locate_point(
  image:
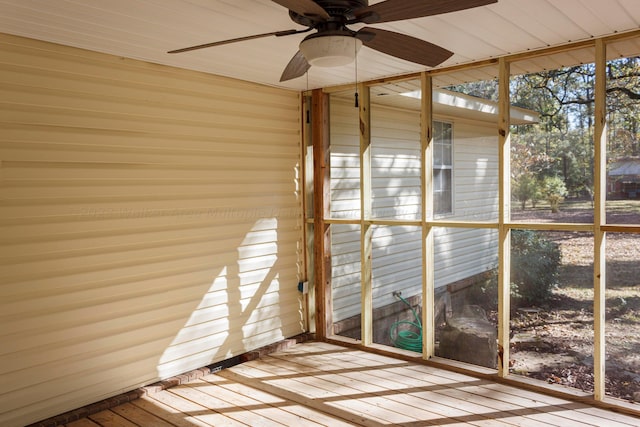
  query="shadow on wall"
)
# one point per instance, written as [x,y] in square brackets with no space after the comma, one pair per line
[242,309]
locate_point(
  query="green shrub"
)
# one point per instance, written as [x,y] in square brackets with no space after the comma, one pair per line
[534,267]
[524,189]
[534,272]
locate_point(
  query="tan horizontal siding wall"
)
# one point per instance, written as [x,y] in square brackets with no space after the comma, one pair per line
[150,224]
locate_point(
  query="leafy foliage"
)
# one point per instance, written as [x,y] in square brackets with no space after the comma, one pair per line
[535,263]
[525,188]
[555,191]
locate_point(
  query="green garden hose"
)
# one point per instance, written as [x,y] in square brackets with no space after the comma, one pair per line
[408,338]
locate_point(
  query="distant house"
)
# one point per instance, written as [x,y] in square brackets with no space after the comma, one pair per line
[623,178]
[465,188]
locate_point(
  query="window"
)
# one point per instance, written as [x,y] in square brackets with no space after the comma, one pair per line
[442,168]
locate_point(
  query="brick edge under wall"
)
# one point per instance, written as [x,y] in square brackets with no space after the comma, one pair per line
[111,402]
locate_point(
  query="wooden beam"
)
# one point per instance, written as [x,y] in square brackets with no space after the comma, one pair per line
[551,226]
[307,274]
[504,214]
[321,210]
[428,243]
[375,82]
[599,217]
[365,213]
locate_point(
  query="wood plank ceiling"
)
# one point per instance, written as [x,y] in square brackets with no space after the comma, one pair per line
[147,29]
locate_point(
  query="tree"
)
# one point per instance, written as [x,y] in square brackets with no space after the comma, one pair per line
[555,191]
[524,189]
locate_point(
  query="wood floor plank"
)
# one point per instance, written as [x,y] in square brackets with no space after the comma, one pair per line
[462,395]
[141,417]
[242,399]
[319,362]
[471,400]
[170,414]
[301,393]
[410,378]
[530,407]
[345,396]
[199,413]
[610,416]
[285,404]
[109,418]
[394,396]
[550,404]
[253,418]
[82,422]
[375,390]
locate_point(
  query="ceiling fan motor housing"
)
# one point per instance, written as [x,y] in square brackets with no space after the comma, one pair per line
[330,49]
[334,44]
[342,9]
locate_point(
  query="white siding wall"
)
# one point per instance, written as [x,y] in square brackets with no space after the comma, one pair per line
[395,163]
[149,224]
[345,159]
[345,203]
[460,253]
[395,174]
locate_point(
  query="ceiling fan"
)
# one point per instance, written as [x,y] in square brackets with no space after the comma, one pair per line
[335,44]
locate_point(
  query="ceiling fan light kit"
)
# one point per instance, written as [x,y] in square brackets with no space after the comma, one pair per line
[330,51]
[334,44]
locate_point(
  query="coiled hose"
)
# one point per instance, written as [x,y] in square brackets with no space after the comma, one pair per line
[408,338]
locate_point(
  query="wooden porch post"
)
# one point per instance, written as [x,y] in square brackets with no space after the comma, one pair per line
[366,229]
[600,196]
[504,214]
[321,205]
[428,241]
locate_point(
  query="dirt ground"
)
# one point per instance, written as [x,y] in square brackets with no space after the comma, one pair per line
[554,342]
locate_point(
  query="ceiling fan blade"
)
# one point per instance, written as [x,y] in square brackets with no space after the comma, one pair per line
[295,68]
[403,46]
[307,8]
[396,10]
[239,39]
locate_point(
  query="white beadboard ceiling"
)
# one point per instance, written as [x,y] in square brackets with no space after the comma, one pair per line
[147,29]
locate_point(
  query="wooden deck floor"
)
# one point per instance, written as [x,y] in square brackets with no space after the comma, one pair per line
[319,384]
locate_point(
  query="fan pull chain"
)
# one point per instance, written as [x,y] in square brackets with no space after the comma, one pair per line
[356,61]
[308,111]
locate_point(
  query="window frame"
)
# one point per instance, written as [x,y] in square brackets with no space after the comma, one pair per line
[438,144]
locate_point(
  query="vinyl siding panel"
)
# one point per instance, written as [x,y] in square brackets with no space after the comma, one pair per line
[395,163]
[345,159]
[462,253]
[150,224]
[396,263]
[345,270]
